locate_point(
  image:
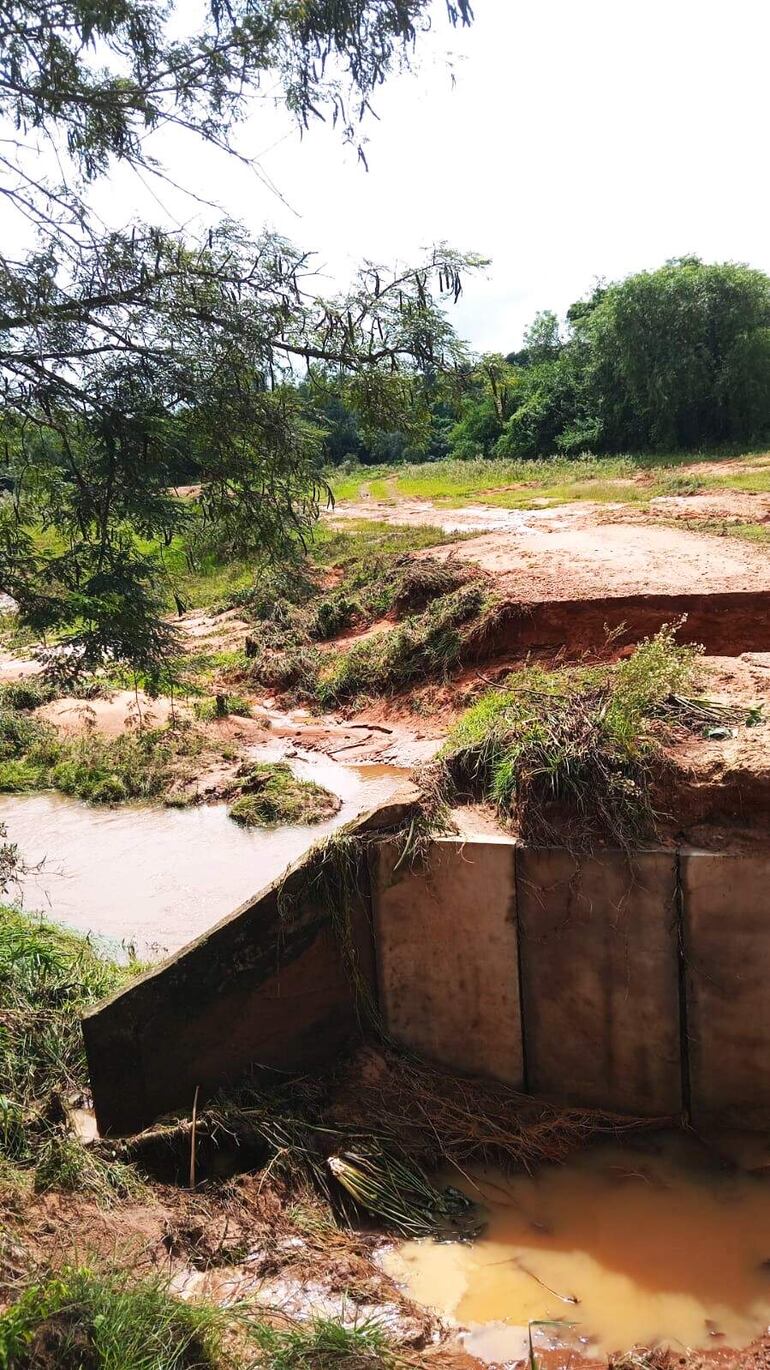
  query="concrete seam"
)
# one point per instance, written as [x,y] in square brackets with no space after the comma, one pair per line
[520,970]
[681,962]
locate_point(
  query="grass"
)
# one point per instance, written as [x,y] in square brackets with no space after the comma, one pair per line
[436,600]
[48,978]
[270,794]
[726,528]
[141,765]
[426,646]
[569,754]
[325,1344]
[556,479]
[81,1319]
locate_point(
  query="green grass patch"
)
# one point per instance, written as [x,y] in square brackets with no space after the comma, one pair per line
[727,528]
[81,1319]
[326,1344]
[282,645]
[568,755]
[426,646]
[142,765]
[271,794]
[559,480]
[48,979]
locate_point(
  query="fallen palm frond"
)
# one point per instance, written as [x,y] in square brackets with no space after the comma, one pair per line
[396,1190]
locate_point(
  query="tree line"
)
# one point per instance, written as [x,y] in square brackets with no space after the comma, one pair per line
[665,360]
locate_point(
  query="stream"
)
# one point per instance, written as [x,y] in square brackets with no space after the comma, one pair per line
[151,879]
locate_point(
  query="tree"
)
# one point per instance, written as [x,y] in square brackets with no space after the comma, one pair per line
[678,357]
[122,351]
[542,341]
[489,397]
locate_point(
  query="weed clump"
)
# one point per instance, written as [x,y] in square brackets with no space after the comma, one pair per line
[25,694]
[427,646]
[570,754]
[270,794]
[325,1344]
[48,978]
[140,764]
[81,1319]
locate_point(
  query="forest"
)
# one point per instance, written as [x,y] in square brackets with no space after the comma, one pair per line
[674,359]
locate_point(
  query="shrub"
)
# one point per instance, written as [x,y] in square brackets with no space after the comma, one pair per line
[25,694]
[420,648]
[567,754]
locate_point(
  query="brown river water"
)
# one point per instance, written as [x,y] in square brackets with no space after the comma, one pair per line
[619,1246]
[152,878]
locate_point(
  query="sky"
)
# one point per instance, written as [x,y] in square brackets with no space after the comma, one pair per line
[576,142]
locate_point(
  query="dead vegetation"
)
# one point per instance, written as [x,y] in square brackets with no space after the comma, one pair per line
[435,604]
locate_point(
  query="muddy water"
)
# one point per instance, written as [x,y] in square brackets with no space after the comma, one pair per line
[615,1248]
[155,878]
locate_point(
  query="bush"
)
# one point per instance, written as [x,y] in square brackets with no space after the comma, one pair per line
[25,694]
[567,754]
[420,648]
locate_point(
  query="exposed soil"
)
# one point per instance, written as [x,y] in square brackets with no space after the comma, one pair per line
[612,559]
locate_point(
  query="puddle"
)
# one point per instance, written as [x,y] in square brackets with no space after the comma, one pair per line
[155,878]
[655,1247]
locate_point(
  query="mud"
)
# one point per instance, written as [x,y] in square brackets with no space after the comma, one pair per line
[618,1247]
[609,560]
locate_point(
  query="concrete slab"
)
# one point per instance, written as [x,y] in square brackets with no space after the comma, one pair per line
[727,969]
[446,942]
[599,974]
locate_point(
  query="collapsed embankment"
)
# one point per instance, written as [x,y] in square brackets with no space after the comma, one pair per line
[724,624]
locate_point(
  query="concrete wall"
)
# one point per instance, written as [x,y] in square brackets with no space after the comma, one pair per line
[637,984]
[726,903]
[267,987]
[600,983]
[447,957]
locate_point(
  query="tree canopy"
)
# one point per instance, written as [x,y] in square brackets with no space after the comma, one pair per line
[126,355]
[677,358]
